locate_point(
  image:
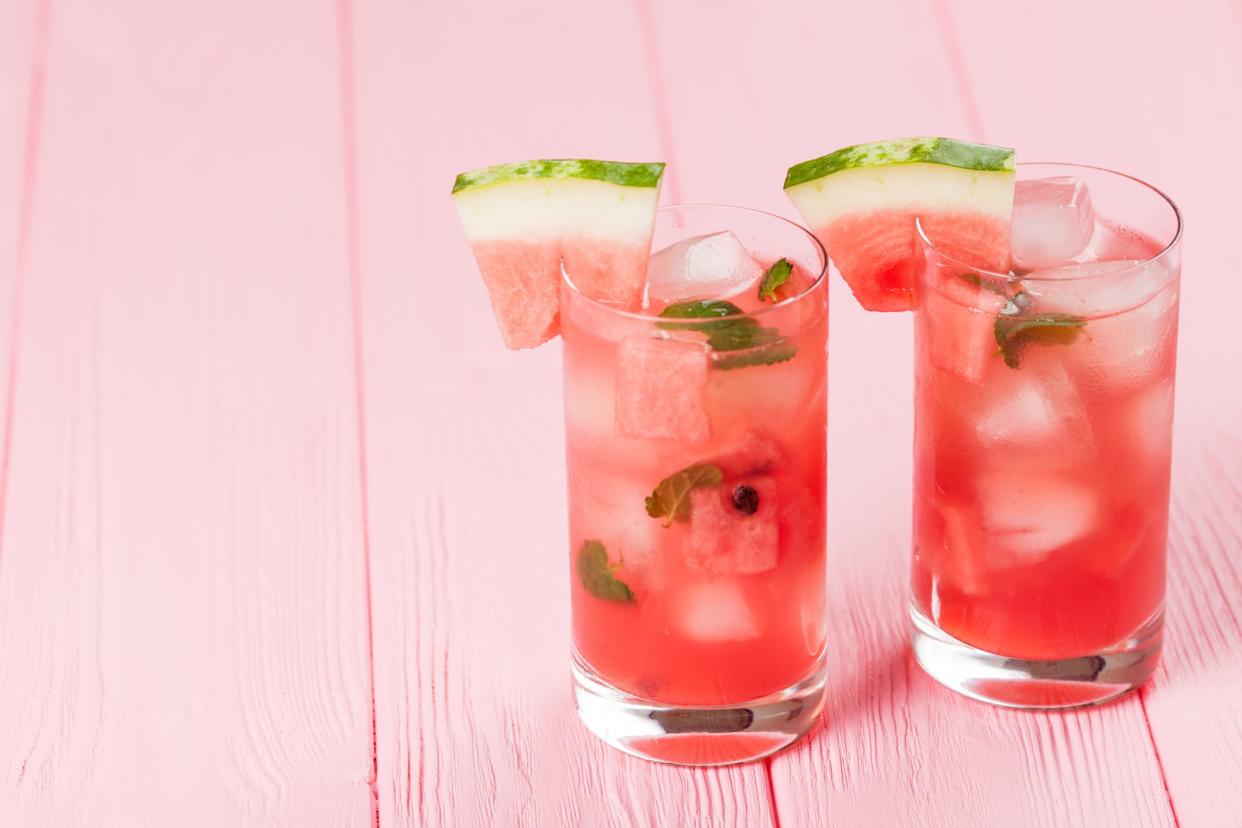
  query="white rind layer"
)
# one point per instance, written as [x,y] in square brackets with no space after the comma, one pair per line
[917,186]
[536,210]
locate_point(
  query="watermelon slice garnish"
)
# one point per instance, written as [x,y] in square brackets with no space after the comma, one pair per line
[523,219]
[861,202]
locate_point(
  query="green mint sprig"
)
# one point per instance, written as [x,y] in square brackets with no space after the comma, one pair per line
[777,275]
[761,356]
[1014,328]
[671,497]
[596,574]
[727,329]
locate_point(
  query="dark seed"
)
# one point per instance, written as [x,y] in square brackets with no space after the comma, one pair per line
[746,499]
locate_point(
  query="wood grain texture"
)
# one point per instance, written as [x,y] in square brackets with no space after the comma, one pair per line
[182,604]
[254,359]
[22,73]
[466,486]
[1157,119]
[897,749]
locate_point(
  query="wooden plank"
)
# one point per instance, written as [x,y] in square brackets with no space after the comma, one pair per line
[182,601]
[24,24]
[1137,87]
[751,91]
[20,60]
[466,468]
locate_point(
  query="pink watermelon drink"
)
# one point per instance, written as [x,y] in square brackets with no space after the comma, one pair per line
[695,401]
[1042,452]
[1043,411]
[696,454]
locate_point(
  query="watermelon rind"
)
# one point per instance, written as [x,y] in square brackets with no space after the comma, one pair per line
[947,151]
[621,173]
[862,201]
[525,220]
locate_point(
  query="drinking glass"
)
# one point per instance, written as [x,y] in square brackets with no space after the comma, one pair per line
[696,465]
[1043,438]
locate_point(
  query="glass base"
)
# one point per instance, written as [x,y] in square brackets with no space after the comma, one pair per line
[1035,684]
[699,736]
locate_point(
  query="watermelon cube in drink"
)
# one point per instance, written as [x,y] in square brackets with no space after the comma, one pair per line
[1045,330]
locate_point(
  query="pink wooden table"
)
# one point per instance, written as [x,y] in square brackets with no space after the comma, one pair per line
[282,525]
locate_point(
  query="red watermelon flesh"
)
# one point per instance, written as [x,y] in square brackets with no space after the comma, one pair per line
[523,281]
[724,541]
[660,385]
[523,219]
[862,203]
[526,303]
[878,253]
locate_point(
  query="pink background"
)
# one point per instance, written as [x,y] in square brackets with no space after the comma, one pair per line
[282,523]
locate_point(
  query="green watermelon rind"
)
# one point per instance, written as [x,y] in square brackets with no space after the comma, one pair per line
[946,151]
[613,172]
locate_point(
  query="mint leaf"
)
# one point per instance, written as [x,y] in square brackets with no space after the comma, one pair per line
[770,355]
[736,333]
[696,309]
[1014,332]
[777,275]
[596,575]
[741,335]
[671,498]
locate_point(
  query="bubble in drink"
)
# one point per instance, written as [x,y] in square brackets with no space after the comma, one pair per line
[714,266]
[1052,221]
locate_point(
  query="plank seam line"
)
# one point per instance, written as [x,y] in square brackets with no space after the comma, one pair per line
[957,67]
[25,213]
[1155,749]
[345,57]
[659,99]
[767,775]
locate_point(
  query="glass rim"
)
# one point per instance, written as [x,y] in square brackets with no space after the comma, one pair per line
[1138,265]
[568,281]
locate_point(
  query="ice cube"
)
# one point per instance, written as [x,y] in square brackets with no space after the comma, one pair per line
[715,611]
[786,392]
[1145,420]
[590,401]
[1131,313]
[1095,288]
[660,389]
[1034,406]
[613,509]
[726,541]
[749,451]
[1117,241]
[951,538]
[1052,221]
[1030,514]
[1134,348]
[715,266]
